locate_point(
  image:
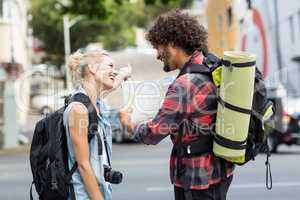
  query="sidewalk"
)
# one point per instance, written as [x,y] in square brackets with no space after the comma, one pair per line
[17,150]
[27,131]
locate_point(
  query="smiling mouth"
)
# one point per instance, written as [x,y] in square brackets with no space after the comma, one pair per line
[112,78]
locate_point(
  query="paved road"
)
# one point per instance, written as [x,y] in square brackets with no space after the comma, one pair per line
[146,175]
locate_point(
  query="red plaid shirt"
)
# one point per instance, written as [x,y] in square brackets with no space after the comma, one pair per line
[192,97]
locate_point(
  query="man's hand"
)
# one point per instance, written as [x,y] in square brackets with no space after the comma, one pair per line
[125,119]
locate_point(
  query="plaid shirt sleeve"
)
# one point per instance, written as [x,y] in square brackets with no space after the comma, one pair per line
[177,104]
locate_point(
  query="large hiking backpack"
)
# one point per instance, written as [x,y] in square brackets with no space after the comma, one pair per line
[49,153]
[261,112]
[260,119]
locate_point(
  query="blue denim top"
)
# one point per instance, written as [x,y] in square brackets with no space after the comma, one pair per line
[95,159]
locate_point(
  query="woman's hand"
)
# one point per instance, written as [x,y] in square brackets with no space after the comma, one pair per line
[125,119]
[125,72]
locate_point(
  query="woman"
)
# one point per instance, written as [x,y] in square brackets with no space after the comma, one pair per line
[94,72]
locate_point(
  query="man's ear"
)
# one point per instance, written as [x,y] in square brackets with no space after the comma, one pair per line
[92,69]
[173,49]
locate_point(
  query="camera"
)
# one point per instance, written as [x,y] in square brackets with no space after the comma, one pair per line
[111,176]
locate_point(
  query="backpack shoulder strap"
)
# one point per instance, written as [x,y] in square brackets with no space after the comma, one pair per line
[92,113]
[195,69]
[93,122]
[210,63]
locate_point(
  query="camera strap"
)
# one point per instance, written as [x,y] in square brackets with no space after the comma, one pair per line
[106,148]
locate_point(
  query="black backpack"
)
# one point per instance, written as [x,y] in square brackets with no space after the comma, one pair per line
[49,153]
[259,128]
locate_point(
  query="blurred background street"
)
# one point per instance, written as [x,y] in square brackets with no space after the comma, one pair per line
[36,38]
[146,175]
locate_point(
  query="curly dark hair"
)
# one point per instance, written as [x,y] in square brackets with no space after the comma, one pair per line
[180,29]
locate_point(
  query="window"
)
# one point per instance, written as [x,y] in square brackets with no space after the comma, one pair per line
[299,19]
[229,17]
[219,23]
[1,8]
[292,29]
[2,84]
[8,9]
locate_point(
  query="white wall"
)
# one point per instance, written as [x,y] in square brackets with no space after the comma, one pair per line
[14,43]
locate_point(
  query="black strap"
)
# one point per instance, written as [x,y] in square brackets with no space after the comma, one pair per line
[212,62]
[194,68]
[223,169]
[106,149]
[227,63]
[238,145]
[31,196]
[211,59]
[198,147]
[85,100]
[178,149]
[72,192]
[269,179]
[233,107]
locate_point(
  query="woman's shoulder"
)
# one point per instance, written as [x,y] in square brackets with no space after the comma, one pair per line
[76,106]
[75,109]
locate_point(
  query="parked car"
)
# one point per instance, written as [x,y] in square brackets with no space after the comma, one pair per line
[119,134]
[46,70]
[287,123]
[49,103]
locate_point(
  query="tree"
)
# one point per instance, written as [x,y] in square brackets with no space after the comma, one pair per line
[111,22]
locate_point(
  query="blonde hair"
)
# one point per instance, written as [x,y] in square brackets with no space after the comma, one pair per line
[78,61]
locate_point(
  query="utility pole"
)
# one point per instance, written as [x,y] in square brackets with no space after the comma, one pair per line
[10,107]
[67,43]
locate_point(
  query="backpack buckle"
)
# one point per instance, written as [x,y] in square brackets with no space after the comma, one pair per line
[228,64]
[188,149]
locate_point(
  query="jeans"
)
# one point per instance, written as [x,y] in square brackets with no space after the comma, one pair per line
[214,192]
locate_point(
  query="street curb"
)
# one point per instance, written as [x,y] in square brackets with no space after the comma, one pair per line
[15,151]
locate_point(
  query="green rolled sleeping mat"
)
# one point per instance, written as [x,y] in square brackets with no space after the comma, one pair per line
[234,106]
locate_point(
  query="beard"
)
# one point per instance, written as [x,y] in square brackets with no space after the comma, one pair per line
[167,56]
[166,68]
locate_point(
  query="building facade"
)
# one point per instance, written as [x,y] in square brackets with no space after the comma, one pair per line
[14,62]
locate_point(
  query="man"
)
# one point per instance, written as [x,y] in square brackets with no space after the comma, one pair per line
[188,112]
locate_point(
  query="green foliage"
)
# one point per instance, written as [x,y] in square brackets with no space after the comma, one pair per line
[48,27]
[111,22]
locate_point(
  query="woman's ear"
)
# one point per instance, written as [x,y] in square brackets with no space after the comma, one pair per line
[92,69]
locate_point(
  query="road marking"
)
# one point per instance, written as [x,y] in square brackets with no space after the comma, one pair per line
[262,185]
[234,186]
[158,189]
[140,162]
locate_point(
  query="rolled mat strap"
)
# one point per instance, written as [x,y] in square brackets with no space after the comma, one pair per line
[233,107]
[227,63]
[238,145]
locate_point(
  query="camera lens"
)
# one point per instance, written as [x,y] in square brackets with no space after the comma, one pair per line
[111,176]
[116,177]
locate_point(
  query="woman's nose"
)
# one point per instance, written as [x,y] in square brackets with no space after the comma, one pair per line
[115,72]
